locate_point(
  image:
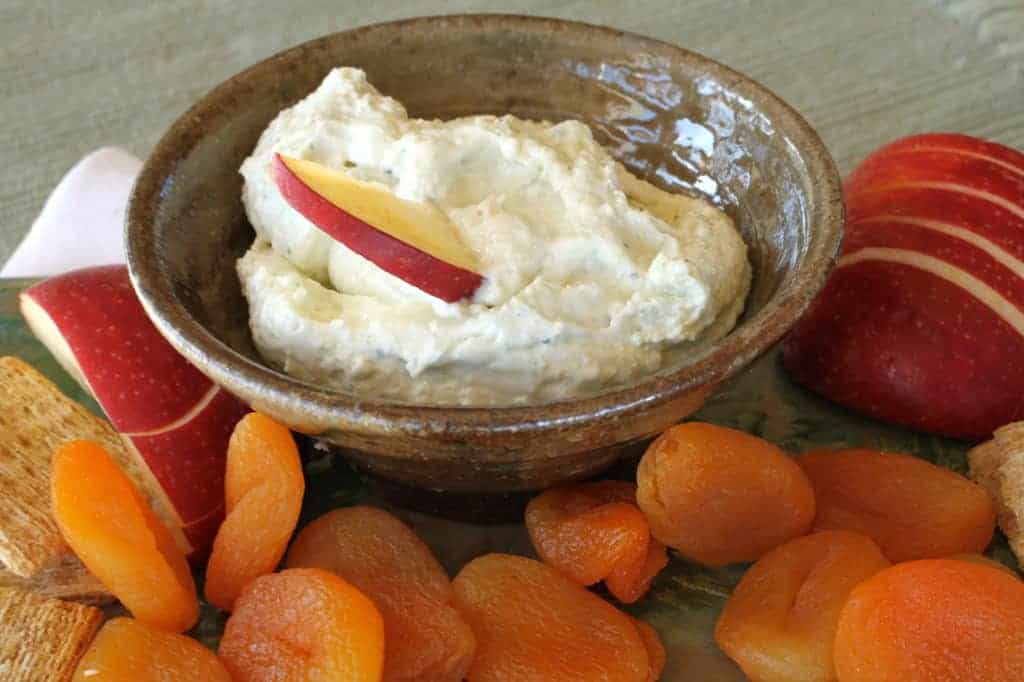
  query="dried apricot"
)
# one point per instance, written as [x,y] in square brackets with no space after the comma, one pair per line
[933,620]
[263,489]
[125,650]
[303,624]
[974,558]
[427,639]
[534,624]
[779,625]
[628,583]
[595,531]
[912,508]
[721,496]
[112,529]
[655,649]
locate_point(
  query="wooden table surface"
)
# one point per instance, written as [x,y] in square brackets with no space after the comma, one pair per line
[78,75]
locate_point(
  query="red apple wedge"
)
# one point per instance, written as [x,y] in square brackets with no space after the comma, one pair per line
[922,321]
[411,240]
[172,418]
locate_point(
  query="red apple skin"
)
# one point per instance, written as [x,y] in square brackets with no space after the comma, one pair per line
[882,352]
[988,220]
[191,478]
[898,342]
[169,414]
[894,233]
[436,277]
[927,163]
[139,379]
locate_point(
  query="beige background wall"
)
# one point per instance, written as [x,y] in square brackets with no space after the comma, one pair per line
[78,74]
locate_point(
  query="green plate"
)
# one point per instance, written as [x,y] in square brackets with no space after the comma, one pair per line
[685,599]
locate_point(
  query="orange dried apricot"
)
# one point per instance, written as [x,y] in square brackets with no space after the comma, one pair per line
[655,649]
[595,531]
[912,508]
[427,639]
[779,625]
[115,533]
[533,623]
[721,496]
[628,583]
[125,650]
[303,624]
[263,489]
[974,558]
[933,620]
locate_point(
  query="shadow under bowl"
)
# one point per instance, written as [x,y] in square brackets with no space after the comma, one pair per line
[680,120]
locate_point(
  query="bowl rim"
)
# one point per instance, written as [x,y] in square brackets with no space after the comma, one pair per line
[346,412]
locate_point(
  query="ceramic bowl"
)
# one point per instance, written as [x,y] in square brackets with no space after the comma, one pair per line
[679,119]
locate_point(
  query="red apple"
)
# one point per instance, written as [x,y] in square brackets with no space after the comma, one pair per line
[412,241]
[922,321]
[173,419]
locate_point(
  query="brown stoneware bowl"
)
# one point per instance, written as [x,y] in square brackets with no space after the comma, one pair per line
[674,117]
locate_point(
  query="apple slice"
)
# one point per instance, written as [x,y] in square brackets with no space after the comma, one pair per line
[173,420]
[411,240]
[922,321]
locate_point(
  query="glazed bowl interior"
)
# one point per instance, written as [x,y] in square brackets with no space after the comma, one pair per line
[675,118]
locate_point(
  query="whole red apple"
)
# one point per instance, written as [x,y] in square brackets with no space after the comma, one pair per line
[922,321]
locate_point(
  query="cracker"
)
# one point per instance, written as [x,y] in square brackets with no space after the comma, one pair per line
[984,461]
[1010,439]
[35,419]
[67,580]
[998,467]
[41,639]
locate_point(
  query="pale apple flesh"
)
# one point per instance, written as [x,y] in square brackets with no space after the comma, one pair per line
[173,419]
[410,240]
[922,322]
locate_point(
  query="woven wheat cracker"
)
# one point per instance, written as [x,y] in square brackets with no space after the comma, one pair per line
[42,639]
[36,418]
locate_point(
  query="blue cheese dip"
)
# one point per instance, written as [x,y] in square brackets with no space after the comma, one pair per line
[591,275]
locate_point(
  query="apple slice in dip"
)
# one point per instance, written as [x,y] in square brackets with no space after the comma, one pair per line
[411,240]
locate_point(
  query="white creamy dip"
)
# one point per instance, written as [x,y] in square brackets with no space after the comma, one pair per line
[591,274]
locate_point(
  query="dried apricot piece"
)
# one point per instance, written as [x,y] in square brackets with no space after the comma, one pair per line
[112,529]
[975,558]
[721,496]
[263,489]
[912,508]
[595,531]
[655,649]
[303,624]
[532,623]
[628,583]
[934,620]
[779,625]
[427,639]
[125,650]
